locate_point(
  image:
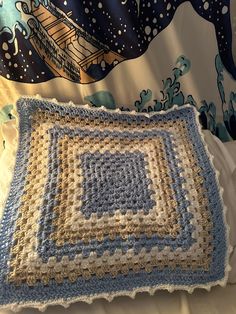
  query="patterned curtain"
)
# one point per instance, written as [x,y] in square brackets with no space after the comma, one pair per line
[143,55]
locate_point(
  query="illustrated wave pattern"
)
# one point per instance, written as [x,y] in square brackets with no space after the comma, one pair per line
[83,41]
[106,203]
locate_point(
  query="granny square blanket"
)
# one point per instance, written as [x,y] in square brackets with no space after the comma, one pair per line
[106,203]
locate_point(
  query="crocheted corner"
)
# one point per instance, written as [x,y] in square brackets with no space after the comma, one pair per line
[107,203]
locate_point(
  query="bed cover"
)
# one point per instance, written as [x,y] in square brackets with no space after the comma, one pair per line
[218,300]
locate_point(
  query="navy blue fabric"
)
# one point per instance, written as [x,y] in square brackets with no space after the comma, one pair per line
[124,27]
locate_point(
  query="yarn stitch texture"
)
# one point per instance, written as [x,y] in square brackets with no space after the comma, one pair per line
[109,203]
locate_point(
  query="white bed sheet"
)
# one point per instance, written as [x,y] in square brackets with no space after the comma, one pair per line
[225,163]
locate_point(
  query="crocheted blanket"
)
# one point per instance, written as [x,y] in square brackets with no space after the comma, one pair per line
[106,203]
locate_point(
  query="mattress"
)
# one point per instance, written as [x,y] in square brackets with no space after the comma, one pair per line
[218,300]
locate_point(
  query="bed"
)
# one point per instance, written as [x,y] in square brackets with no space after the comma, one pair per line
[164,67]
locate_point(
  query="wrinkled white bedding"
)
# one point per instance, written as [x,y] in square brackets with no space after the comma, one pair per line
[225,163]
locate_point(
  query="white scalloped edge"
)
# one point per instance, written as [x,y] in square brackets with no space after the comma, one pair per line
[103,108]
[16,307]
